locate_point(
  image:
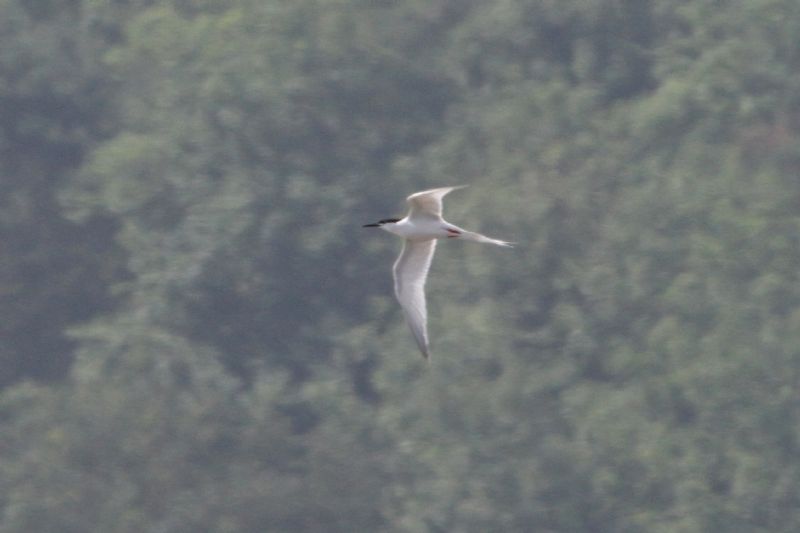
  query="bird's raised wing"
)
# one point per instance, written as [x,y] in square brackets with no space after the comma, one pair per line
[429,203]
[410,272]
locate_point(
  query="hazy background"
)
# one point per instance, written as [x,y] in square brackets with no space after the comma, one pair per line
[196,334]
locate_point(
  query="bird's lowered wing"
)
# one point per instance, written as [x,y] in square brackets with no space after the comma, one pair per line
[410,272]
[429,203]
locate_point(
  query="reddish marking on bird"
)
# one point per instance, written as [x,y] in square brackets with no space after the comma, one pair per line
[453,231]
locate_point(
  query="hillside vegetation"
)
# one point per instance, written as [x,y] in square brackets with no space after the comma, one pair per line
[197,335]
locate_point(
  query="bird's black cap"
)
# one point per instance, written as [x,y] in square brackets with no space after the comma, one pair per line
[381,222]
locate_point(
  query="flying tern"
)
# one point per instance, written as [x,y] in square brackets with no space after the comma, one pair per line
[420,229]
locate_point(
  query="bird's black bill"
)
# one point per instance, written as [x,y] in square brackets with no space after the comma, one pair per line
[371,226]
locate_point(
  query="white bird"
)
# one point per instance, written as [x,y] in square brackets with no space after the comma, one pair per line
[420,229]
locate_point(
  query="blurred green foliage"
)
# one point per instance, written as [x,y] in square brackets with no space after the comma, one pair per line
[196,335]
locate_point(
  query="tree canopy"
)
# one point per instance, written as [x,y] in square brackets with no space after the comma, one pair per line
[196,336]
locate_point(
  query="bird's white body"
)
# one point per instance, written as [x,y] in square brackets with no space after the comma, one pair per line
[420,230]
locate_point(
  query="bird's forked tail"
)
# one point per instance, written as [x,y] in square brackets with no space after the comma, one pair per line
[477,237]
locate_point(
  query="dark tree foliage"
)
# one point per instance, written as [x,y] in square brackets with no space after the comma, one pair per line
[54,272]
[184,184]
